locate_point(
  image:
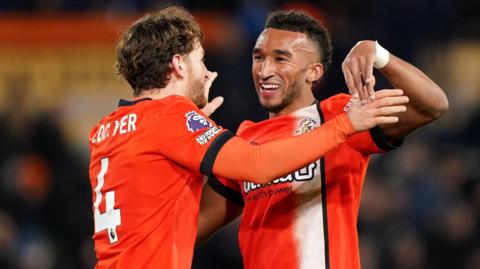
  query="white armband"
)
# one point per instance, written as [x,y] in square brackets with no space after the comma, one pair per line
[381,56]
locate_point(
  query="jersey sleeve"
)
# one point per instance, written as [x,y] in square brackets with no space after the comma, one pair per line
[189,137]
[229,189]
[372,141]
[366,142]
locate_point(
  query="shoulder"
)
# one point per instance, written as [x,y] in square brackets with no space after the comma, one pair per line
[244,125]
[170,106]
[171,103]
[335,105]
[102,122]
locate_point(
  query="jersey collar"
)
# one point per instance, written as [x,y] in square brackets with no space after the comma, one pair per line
[124,102]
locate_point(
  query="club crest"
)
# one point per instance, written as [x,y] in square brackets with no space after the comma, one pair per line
[305,125]
[196,121]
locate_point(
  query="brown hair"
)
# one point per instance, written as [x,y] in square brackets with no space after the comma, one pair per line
[146,49]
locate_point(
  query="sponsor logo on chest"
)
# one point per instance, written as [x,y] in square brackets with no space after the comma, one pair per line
[305,174]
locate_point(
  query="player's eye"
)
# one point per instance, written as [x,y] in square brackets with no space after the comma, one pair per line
[280,59]
[257,57]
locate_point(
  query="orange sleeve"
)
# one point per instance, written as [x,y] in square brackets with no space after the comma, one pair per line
[239,160]
[366,142]
[184,134]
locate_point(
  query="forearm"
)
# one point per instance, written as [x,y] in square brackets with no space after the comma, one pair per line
[427,100]
[216,211]
[239,160]
[425,95]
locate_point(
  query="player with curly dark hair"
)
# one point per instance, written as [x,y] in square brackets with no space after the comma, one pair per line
[307,219]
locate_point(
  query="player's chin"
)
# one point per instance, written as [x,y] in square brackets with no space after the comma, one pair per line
[269,104]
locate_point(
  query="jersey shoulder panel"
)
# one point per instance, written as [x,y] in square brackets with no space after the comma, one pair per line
[335,105]
[169,105]
[244,125]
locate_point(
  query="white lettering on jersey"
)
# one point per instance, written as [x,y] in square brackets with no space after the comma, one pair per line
[303,174]
[125,125]
[207,135]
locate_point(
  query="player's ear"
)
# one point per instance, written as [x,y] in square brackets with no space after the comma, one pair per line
[315,72]
[178,65]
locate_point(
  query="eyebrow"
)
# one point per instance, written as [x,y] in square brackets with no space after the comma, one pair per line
[277,52]
[283,53]
[256,50]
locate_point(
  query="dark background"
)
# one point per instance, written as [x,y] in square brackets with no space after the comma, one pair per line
[420,204]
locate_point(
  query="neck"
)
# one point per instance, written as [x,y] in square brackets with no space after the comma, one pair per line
[299,102]
[173,88]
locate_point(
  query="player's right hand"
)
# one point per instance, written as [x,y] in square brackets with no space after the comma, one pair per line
[379,111]
[358,70]
[211,106]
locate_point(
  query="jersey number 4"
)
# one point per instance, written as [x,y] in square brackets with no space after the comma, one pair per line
[111,218]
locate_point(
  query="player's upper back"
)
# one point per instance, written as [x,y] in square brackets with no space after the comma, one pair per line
[143,201]
[122,123]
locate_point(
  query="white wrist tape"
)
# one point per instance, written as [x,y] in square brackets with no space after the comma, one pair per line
[381,56]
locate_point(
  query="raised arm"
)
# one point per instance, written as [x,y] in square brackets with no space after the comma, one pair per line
[427,99]
[239,160]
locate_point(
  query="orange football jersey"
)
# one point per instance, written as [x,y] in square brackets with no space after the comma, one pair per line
[306,219]
[147,160]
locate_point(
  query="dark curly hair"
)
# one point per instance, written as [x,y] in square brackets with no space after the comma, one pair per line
[147,47]
[299,21]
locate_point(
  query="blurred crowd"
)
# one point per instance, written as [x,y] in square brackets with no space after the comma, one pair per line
[420,203]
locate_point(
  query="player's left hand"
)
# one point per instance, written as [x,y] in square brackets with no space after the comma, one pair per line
[211,106]
[358,70]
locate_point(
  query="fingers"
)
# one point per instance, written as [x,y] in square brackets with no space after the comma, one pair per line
[389,110]
[388,93]
[389,101]
[213,105]
[357,76]
[358,70]
[216,102]
[369,79]
[349,81]
[353,71]
[385,120]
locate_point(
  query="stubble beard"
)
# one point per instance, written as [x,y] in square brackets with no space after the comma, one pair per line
[196,93]
[286,101]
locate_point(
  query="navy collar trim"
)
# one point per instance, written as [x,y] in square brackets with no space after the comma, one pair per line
[124,102]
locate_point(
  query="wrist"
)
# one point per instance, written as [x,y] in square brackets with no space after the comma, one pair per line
[382,56]
[345,124]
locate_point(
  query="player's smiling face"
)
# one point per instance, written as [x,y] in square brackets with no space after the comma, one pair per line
[281,62]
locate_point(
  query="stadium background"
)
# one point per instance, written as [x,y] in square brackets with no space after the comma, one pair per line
[420,205]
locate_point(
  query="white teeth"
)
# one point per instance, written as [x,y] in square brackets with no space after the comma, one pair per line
[270,86]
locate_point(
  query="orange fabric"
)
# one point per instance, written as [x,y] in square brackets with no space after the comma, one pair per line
[239,160]
[345,170]
[296,220]
[154,173]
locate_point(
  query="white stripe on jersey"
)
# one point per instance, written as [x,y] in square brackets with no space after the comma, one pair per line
[309,226]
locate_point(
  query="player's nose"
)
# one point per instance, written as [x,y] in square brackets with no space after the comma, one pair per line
[266,69]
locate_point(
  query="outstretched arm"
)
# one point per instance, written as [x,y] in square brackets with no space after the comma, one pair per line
[239,160]
[427,99]
[216,211]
